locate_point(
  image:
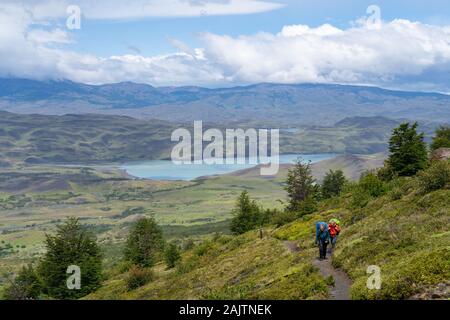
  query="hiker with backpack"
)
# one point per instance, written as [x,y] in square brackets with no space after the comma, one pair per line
[334,230]
[322,239]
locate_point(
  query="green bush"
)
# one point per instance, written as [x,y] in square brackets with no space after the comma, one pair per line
[171,255]
[436,177]
[280,218]
[372,185]
[332,184]
[407,150]
[144,243]
[26,286]
[442,138]
[138,277]
[247,215]
[71,245]
[203,248]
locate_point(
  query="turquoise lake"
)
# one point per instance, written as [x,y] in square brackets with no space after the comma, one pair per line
[167,170]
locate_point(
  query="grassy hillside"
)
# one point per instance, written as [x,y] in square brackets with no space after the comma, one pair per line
[243,267]
[407,238]
[34,199]
[404,233]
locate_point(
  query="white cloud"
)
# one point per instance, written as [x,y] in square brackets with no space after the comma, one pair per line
[135,9]
[399,54]
[362,54]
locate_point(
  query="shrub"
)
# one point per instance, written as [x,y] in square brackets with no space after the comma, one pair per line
[386,173]
[442,138]
[247,215]
[71,245]
[333,183]
[280,218]
[26,286]
[436,177]
[360,198]
[172,255]
[138,277]
[408,152]
[203,248]
[301,186]
[372,185]
[144,243]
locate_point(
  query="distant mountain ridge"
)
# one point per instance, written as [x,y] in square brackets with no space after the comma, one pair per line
[281,104]
[100,138]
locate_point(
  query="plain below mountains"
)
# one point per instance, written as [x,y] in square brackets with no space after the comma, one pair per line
[269,104]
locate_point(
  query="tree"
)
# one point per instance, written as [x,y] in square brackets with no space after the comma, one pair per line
[408,153]
[26,286]
[145,242]
[441,138]
[247,215]
[172,255]
[301,188]
[72,245]
[333,183]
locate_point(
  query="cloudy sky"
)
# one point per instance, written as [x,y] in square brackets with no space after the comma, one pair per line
[401,44]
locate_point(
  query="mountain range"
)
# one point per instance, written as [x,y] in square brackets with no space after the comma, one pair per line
[269,104]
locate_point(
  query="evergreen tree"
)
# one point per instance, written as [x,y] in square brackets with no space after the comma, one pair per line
[71,245]
[145,242]
[332,184]
[441,138]
[408,153]
[247,215]
[26,286]
[172,255]
[301,188]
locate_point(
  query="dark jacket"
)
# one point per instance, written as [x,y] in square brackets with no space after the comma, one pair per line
[322,235]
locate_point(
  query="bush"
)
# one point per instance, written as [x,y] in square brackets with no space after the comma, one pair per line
[372,185]
[442,138]
[301,187]
[333,183]
[144,243]
[203,248]
[72,245]
[436,177]
[408,152]
[26,286]
[280,218]
[386,173]
[247,215]
[138,277]
[172,255]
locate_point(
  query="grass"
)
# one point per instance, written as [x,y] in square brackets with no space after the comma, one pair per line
[243,267]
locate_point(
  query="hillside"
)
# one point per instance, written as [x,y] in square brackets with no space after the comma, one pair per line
[269,104]
[351,165]
[404,233]
[94,138]
[82,138]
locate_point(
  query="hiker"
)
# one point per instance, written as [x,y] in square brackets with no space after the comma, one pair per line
[334,229]
[322,238]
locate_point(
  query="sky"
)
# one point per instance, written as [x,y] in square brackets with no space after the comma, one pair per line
[396,44]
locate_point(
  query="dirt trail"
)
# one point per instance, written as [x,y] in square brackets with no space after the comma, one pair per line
[342,283]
